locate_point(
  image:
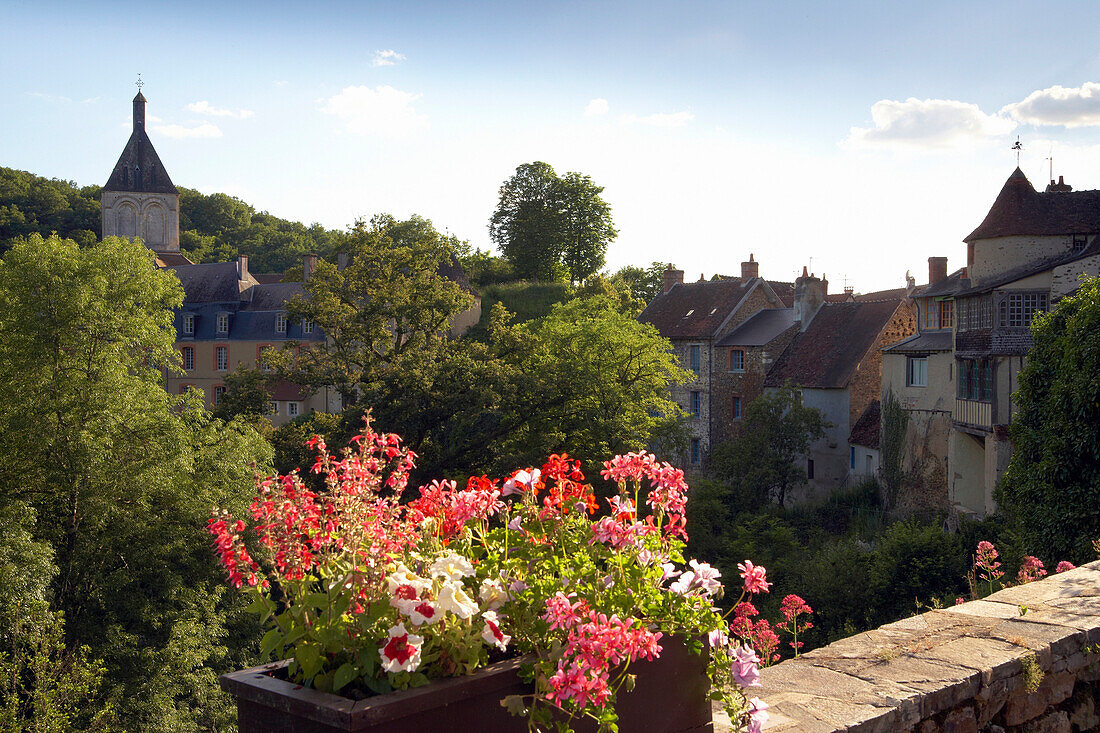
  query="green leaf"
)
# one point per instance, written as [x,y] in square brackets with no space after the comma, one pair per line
[272,639]
[309,657]
[345,674]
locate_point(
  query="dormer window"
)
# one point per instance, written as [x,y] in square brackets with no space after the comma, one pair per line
[689,313]
[1080,241]
[307,326]
[280,323]
[223,324]
[189,324]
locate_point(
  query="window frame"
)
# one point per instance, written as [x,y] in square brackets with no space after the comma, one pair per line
[280,323]
[307,326]
[293,408]
[695,357]
[221,324]
[733,363]
[219,393]
[910,377]
[260,348]
[696,451]
[187,356]
[695,402]
[219,351]
[735,407]
[188,324]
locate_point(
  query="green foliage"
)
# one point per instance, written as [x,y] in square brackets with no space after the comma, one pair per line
[643,283]
[484,268]
[777,430]
[895,420]
[31,204]
[120,475]
[550,227]
[522,299]
[1051,483]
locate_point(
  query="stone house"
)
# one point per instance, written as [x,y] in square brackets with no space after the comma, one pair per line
[695,317]
[956,378]
[835,360]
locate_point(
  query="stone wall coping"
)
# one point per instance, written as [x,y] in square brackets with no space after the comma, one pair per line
[894,677]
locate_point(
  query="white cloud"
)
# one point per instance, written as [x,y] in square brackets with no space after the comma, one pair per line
[382,111]
[660,119]
[1058,105]
[928,123]
[204,108]
[598,106]
[49,97]
[389,57]
[204,129]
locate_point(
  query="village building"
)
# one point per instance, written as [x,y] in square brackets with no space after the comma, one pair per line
[956,377]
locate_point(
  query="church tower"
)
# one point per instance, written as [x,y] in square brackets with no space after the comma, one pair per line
[139,199]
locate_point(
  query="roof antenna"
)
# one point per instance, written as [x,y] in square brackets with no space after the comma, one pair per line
[1017,147]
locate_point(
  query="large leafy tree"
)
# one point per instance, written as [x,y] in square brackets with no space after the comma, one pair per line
[761,464]
[550,227]
[120,475]
[1052,485]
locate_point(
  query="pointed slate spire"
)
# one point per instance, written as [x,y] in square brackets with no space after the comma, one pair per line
[139,168]
[1018,209]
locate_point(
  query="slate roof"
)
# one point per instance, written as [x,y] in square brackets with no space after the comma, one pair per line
[268,278]
[923,343]
[212,282]
[826,354]
[696,310]
[1020,209]
[865,431]
[761,328]
[274,296]
[947,286]
[139,167]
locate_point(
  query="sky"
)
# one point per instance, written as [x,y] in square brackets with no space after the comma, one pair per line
[854,138]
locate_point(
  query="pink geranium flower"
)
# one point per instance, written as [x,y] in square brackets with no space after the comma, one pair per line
[754,577]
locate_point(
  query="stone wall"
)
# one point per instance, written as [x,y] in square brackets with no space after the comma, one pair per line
[1023,659]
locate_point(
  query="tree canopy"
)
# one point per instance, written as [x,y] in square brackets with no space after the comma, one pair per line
[1052,484]
[552,227]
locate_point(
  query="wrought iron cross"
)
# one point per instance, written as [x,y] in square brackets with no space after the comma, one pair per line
[139,83]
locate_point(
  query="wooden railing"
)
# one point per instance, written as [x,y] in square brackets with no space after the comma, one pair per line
[973,412]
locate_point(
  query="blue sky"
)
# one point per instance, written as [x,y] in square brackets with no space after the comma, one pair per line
[856,138]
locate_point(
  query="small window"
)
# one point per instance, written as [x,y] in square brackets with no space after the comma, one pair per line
[931,314]
[737,360]
[852,457]
[735,407]
[221,358]
[307,326]
[809,468]
[696,403]
[916,371]
[695,451]
[261,361]
[947,314]
[694,356]
[223,323]
[689,313]
[219,393]
[280,323]
[188,358]
[189,324]
[1080,241]
[292,409]
[274,407]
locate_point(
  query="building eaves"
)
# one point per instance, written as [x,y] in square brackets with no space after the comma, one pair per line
[761,328]
[923,343]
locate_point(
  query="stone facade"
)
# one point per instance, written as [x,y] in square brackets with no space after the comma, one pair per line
[152,217]
[983,665]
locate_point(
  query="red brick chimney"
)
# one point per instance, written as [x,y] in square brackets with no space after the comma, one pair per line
[750,268]
[309,264]
[673,277]
[937,269]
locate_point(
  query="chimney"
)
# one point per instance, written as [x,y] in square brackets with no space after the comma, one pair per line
[808,299]
[1060,187]
[139,111]
[824,284]
[937,269]
[342,260]
[673,277]
[242,267]
[750,268]
[309,264]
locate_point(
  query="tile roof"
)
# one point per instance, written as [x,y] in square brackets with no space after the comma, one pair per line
[826,354]
[1020,209]
[947,286]
[760,328]
[785,291]
[865,431]
[696,310]
[170,259]
[924,342]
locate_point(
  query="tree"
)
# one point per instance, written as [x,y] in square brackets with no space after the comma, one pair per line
[391,301]
[1052,485]
[644,283]
[550,227]
[120,475]
[777,430]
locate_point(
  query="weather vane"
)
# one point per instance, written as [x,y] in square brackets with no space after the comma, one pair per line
[139,83]
[1018,147]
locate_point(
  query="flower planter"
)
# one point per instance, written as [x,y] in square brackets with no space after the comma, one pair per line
[671,695]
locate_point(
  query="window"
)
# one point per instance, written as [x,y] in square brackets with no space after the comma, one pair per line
[221,358]
[694,354]
[696,403]
[947,314]
[292,409]
[809,468]
[852,457]
[223,323]
[1017,309]
[976,380]
[916,371]
[735,407]
[280,323]
[307,326]
[274,407]
[219,393]
[931,314]
[1080,241]
[737,360]
[188,358]
[260,360]
[189,324]
[695,451]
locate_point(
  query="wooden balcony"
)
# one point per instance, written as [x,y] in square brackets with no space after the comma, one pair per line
[974,413]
